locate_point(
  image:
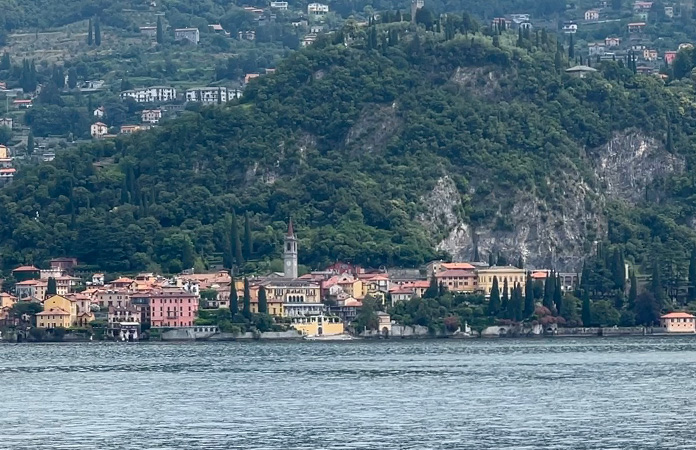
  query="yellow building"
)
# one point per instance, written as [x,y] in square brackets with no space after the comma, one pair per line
[58,302]
[275,307]
[53,318]
[511,274]
[319,325]
[351,286]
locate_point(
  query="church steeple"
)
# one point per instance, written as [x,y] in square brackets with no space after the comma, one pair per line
[290,253]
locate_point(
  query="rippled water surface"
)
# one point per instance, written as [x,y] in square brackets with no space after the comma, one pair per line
[620,393]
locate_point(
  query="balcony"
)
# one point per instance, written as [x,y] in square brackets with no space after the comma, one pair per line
[172,315]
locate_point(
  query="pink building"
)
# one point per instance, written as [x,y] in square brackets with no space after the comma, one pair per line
[172,307]
[669,57]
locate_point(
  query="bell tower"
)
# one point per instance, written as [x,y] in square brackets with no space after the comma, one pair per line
[290,253]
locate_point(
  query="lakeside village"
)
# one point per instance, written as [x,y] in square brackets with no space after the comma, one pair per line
[341,302]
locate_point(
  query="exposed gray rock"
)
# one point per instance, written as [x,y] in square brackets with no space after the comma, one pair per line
[629,162]
[373,129]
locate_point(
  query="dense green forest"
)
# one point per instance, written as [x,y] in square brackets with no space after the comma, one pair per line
[304,143]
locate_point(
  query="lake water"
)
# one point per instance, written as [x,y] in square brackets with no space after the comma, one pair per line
[588,393]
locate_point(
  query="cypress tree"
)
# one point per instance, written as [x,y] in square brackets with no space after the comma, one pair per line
[248,240]
[692,276]
[160,32]
[656,284]
[97,32]
[494,301]
[520,263]
[548,291]
[529,296]
[51,289]
[586,309]
[263,303]
[90,39]
[633,292]
[5,62]
[558,294]
[433,289]
[247,299]
[571,48]
[519,303]
[505,302]
[234,299]
[72,78]
[236,240]
[491,260]
[30,143]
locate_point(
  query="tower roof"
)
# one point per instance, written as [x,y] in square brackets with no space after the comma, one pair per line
[291,231]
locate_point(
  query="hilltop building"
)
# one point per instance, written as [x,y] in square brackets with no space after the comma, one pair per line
[187,34]
[150,94]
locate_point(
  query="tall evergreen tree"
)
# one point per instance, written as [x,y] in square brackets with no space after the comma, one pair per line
[235,240]
[52,288]
[692,276]
[520,263]
[433,288]
[494,300]
[246,299]
[519,304]
[633,292]
[30,143]
[656,284]
[248,240]
[571,48]
[586,309]
[72,78]
[558,294]
[263,302]
[529,296]
[90,38]
[549,286]
[5,62]
[234,299]
[505,298]
[97,32]
[160,31]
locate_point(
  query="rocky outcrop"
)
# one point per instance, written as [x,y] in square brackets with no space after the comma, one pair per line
[373,129]
[630,162]
[479,81]
[442,207]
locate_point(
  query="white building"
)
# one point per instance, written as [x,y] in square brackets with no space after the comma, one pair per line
[210,94]
[151,115]
[98,130]
[282,6]
[317,9]
[99,112]
[591,14]
[6,122]
[570,28]
[190,34]
[150,94]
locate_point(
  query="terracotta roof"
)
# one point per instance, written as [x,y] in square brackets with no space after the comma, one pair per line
[457,265]
[123,280]
[677,315]
[291,231]
[26,269]
[401,290]
[540,275]
[53,312]
[378,278]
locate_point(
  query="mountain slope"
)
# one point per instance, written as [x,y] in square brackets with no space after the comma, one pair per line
[382,157]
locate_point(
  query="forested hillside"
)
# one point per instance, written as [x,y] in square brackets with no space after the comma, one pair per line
[383,152]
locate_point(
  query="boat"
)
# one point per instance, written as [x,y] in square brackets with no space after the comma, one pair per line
[329,337]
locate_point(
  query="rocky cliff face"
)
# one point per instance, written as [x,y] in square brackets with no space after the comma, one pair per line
[554,233]
[630,162]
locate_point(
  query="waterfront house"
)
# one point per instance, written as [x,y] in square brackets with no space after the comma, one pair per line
[111,296]
[53,318]
[462,279]
[401,294]
[318,325]
[118,314]
[172,307]
[384,323]
[678,322]
[299,297]
[511,274]
[63,303]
